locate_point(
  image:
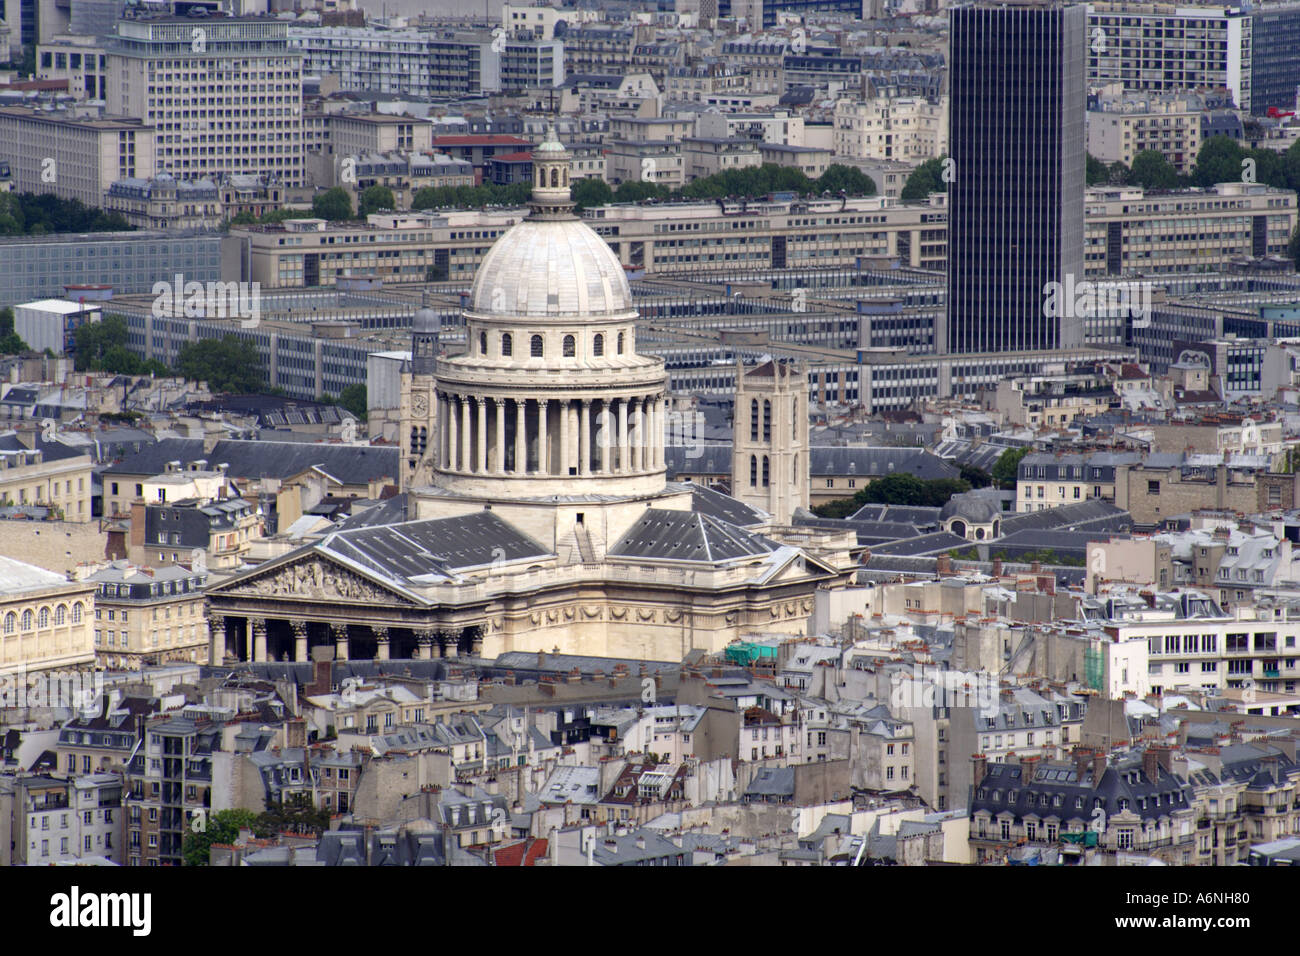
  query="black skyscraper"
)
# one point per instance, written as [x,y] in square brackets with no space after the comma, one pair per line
[1016,138]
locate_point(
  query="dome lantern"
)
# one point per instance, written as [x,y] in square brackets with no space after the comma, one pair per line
[551,168]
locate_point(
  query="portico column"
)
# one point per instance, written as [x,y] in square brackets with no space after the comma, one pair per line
[584,438]
[300,641]
[381,643]
[622,435]
[423,645]
[543,439]
[521,437]
[340,633]
[216,640]
[480,465]
[453,424]
[451,646]
[563,463]
[258,627]
[466,427]
[500,405]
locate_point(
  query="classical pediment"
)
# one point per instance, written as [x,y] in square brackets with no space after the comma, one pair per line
[311,579]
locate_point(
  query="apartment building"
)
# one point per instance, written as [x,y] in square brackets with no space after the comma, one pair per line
[1216,654]
[1122,124]
[163,202]
[220,530]
[145,615]
[354,134]
[226,101]
[405,173]
[73,157]
[905,128]
[62,484]
[168,780]
[1144,809]
[80,60]
[55,820]
[1163,48]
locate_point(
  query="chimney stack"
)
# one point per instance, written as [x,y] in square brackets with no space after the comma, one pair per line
[1151,764]
[1082,756]
[979,768]
[1098,766]
[943,564]
[997,567]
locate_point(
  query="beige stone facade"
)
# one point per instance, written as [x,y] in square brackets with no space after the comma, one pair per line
[540,515]
[45,620]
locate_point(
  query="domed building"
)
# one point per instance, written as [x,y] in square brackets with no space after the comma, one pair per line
[538,511]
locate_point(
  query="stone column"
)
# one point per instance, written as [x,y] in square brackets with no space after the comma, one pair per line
[604,437]
[622,435]
[636,435]
[466,432]
[381,643]
[423,645]
[441,425]
[216,640]
[450,646]
[563,464]
[480,465]
[340,634]
[521,437]
[657,432]
[300,652]
[257,628]
[584,438]
[453,437]
[543,439]
[500,405]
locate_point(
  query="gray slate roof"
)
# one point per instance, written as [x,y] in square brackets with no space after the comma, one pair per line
[688,536]
[350,464]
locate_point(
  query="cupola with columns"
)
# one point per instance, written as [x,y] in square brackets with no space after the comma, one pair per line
[550,396]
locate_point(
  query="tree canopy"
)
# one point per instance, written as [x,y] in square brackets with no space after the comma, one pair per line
[1006,467]
[28,214]
[11,342]
[332,204]
[229,364]
[375,199]
[925,179]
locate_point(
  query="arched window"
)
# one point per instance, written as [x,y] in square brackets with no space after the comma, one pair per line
[767,474]
[598,345]
[11,622]
[507,344]
[753,470]
[555,178]
[61,614]
[620,343]
[28,620]
[569,346]
[76,613]
[767,420]
[753,420]
[43,619]
[794,471]
[535,346]
[794,418]
[482,343]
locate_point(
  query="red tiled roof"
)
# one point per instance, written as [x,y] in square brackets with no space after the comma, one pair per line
[526,157]
[487,140]
[524,853]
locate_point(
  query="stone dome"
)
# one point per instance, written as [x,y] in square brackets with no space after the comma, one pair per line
[551,268]
[971,506]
